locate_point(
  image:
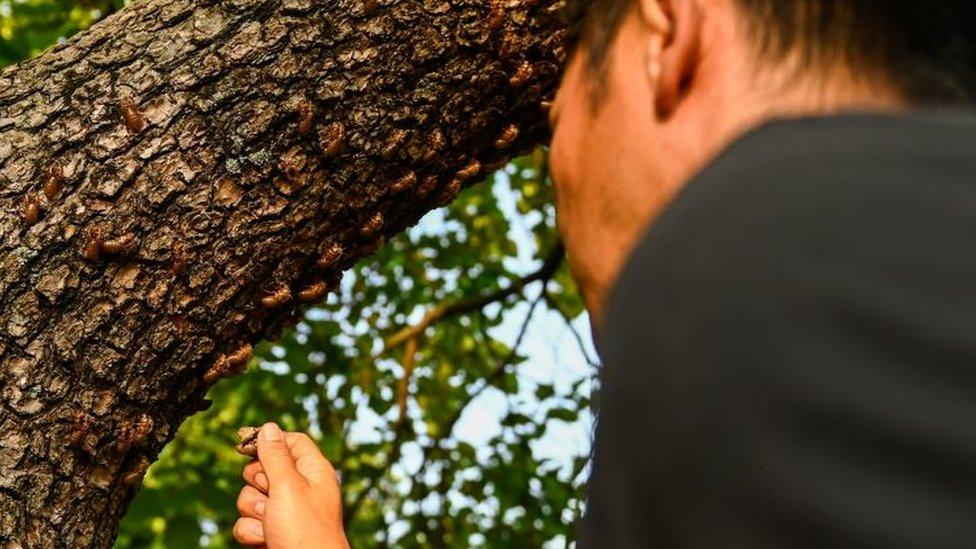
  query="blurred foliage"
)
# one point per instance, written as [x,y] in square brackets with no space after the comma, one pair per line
[387,418]
[28,27]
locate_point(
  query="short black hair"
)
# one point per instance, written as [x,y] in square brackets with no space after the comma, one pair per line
[926,49]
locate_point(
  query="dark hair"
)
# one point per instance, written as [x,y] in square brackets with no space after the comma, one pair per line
[925,48]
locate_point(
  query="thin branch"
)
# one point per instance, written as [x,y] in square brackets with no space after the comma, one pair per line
[403,391]
[496,375]
[353,508]
[489,381]
[401,426]
[412,334]
[594,363]
[476,303]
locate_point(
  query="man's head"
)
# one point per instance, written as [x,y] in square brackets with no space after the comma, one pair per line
[658,87]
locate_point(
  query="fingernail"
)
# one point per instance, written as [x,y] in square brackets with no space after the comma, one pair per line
[259,508]
[258,531]
[262,481]
[271,432]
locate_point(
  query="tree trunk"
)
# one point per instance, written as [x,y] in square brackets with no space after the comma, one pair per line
[177,181]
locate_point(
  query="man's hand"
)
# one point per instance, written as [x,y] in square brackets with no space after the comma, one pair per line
[292,498]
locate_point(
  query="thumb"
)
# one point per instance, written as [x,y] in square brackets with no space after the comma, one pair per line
[276,459]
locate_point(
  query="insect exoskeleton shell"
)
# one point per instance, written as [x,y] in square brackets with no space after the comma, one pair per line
[330,257]
[120,245]
[138,471]
[333,139]
[306,117]
[507,137]
[53,181]
[131,115]
[277,297]
[373,225]
[470,171]
[31,210]
[404,183]
[522,75]
[314,292]
[93,244]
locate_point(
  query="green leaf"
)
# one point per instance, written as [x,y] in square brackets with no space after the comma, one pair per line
[563,414]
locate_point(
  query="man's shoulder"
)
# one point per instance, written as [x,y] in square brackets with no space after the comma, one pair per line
[940,133]
[817,201]
[796,163]
[814,175]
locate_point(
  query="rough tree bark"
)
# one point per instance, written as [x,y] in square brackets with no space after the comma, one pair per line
[178,180]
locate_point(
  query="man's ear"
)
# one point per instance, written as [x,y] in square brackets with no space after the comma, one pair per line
[673,40]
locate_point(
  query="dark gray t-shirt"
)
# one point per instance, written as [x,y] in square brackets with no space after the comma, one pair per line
[791,351]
